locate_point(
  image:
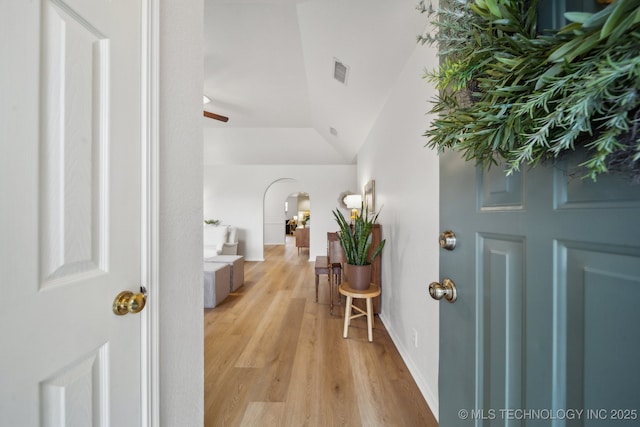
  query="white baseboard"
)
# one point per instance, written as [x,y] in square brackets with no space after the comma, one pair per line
[427,392]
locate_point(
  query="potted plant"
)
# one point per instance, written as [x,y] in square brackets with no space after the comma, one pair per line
[356,241]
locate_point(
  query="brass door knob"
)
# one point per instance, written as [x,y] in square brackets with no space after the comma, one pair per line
[128,302]
[446,290]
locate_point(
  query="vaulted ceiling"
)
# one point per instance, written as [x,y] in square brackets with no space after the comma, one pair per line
[269,67]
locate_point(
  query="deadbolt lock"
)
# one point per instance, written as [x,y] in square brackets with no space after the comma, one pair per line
[447,240]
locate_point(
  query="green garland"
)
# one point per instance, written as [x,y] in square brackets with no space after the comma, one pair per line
[506,92]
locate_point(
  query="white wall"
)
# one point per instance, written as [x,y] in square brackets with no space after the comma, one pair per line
[256,146]
[304,204]
[180,217]
[235,195]
[406,178]
[293,207]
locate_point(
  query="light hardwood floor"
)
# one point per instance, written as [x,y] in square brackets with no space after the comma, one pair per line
[275,357]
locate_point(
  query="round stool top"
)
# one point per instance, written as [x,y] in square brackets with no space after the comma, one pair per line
[373,291]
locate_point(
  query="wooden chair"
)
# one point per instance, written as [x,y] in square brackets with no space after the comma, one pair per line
[322,267]
[336,262]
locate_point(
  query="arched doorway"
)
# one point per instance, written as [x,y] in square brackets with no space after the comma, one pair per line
[285,201]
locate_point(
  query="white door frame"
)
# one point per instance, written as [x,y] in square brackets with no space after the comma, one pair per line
[150,368]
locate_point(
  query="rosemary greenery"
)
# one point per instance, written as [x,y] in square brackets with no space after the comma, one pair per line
[506,91]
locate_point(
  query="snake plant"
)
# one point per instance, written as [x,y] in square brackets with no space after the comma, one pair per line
[356,240]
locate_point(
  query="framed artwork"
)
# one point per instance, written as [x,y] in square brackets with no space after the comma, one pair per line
[370,196]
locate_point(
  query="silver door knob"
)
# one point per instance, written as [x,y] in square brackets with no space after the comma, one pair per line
[446,290]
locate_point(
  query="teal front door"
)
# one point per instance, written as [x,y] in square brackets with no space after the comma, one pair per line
[546,326]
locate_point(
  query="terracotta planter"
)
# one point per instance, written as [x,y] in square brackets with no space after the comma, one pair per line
[359,276]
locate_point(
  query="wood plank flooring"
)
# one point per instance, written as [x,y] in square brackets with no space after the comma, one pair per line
[275,357]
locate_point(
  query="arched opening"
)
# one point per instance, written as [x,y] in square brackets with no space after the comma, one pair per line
[287,206]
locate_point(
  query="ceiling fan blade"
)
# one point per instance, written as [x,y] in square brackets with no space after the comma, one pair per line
[216,116]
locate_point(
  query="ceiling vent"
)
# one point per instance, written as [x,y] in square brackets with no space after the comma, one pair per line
[340,71]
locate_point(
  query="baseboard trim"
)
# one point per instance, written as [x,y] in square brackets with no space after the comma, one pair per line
[426,391]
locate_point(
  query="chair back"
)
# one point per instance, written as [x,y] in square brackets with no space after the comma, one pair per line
[334,249]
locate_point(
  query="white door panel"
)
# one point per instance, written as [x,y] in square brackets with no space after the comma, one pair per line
[71,212]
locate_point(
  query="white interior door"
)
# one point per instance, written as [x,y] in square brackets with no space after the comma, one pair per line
[71,212]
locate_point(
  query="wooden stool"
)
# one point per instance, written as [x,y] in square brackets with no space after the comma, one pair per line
[368,294]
